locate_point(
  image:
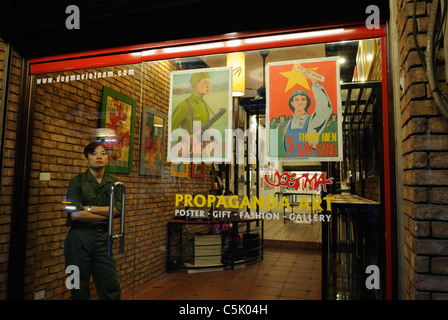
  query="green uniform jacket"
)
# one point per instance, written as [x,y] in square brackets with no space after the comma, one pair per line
[84,191]
[189,110]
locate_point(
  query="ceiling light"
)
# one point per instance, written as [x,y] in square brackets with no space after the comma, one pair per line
[195,47]
[294,36]
[234,43]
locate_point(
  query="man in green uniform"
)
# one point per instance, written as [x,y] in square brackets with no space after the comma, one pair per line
[194,107]
[88,195]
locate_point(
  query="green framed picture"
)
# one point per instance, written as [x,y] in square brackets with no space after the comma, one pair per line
[152,142]
[118,122]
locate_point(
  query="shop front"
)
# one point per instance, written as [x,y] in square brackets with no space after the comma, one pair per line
[206,138]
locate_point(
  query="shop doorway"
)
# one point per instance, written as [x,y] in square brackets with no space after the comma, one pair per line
[71,110]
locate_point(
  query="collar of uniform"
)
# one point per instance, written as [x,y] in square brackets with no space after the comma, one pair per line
[196,99]
[89,177]
[302,117]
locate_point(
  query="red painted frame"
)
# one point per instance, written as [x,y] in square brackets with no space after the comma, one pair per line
[238,42]
[386,155]
[198,46]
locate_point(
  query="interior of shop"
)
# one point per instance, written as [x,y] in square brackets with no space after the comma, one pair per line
[360,76]
[69,112]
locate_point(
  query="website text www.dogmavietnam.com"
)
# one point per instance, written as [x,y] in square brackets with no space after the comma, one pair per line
[85,76]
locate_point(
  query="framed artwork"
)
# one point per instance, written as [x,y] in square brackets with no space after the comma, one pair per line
[198,170]
[152,142]
[179,170]
[118,122]
[303,110]
[200,116]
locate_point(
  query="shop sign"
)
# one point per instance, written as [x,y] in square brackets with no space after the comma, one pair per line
[303,182]
[201,206]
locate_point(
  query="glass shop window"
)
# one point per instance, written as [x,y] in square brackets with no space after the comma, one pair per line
[169,126]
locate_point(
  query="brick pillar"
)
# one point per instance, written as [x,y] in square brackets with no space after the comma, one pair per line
[9,145]
[425,163]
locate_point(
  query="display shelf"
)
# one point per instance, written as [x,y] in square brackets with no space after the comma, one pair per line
[211,245]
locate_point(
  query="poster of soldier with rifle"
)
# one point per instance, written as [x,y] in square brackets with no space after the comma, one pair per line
[200,115]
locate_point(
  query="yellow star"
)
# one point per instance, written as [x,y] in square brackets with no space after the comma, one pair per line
[295,77]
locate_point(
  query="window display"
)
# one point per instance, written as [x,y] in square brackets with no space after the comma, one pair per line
[191,146]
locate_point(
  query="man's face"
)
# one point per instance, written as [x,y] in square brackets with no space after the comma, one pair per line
[98,158]
[203,86]
[299,103]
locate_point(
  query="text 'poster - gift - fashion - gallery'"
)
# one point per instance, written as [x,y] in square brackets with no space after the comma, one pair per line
[200,116]
[304,110]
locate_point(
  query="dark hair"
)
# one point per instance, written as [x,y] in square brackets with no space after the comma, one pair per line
[90,148]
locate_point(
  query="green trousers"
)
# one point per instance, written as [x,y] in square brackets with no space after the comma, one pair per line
[87,249]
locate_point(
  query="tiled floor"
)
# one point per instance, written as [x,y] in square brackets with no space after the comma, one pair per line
[289,271]
[283,274]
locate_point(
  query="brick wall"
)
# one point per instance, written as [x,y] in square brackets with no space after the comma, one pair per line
[65,114]
[425,165]
[7,171]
